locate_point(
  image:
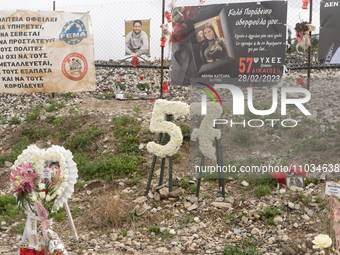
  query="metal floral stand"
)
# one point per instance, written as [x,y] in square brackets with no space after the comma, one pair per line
[219,156]
[165,140]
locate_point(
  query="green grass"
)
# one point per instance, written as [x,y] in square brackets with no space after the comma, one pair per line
[185,183]
[60,215]
[83,140]
[9,209]
[155,229]
[270,212]
[34,113]
[243,137]
[123,233]
[262,190]
[16,150]
[244,247]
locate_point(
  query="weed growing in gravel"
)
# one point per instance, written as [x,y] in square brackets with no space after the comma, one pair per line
[311,180]
[34,113]
[188,218]
[54,106]
[262,190]
[244,247]
[231,217]
[155,229]
[176,158]
[166,235]
[305,199]
[19,228]
[193,188]
[270,221]
[123,233]
[16,150]
[269,212]
[185,183]
[136,109]
[166,214]
[14,121]
[80,184]
[59,215]
[243,137]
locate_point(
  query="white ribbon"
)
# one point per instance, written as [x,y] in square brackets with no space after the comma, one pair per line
[32,236]
[55,243]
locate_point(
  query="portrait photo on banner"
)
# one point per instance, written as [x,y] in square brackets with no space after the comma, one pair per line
[137,37]
[228,43]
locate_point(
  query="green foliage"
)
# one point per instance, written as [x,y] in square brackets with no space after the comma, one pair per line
[54,106]
[166,235]
[270,221]
[155,229]
[185,183]
[121,86]
[107,167]
[305,199]
[60,215]
[9,209]
[231,217]
[270,212]
[14,121]
[243,137]
[267,180]
[136,109]
[185,130]
[193,188]
[262,190]
[166,214]
[82,140]
[143,86]
[244,247]
[19,228]
[69,95]
[33,133]
[34,114]
[104,95]
[16,150]
[123,233]
[311,180]
[80,184]
[188,218]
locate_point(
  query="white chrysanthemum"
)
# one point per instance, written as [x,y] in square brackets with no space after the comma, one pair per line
[206,133]
[159,124]
[42,186]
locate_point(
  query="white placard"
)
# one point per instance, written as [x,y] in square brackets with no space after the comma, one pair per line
[46,173]
[332,189]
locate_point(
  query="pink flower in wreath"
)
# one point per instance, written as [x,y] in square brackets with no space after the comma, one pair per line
[23,178]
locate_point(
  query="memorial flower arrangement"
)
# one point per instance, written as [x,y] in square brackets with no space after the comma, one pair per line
[159,124]
[42,180]
[206,133]
[142,85]
[121,85]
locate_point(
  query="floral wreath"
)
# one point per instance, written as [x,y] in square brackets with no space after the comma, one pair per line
[40,188]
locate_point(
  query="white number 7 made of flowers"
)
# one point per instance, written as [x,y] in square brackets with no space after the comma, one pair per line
[158,124]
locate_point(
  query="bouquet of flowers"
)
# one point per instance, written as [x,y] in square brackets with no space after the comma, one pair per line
[142,85]
[42,181]
[121,85]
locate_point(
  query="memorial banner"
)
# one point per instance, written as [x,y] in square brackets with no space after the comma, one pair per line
[329,42]
[237,43]
[46,51]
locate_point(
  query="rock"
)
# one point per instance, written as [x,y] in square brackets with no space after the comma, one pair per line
[8,164]
[140,200]
[193,199]
[310,213]
[164,192]
[219,199]
[244,219]
[175,193]
[230,200]
[113,236]
[150,195]
[88,192]
[141,211]
[157,196]
[244,183]
[257,215]
[286,250]
[305,217]
[237,231]
[193,207]
[291,205]
[278,219]
[254,231]
[297,207]
[173,199]
[187,205]
[160,187]
[296,225]
[202,225]
[221,205]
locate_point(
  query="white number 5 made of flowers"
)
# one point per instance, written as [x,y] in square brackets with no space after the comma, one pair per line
[158,124]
